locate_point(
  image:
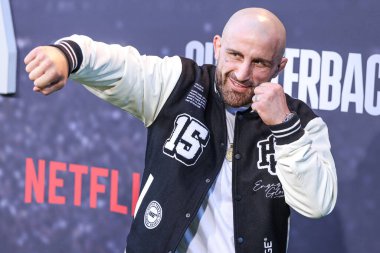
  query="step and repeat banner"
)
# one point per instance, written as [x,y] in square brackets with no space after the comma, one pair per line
[71,165]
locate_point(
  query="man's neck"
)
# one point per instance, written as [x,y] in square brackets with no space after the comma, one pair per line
[234,110]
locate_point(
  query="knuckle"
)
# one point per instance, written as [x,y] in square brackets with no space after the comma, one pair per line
[31,77]
[48,61]
[46,67]
[38,49]
[40,56]
[278,88]
[54,73]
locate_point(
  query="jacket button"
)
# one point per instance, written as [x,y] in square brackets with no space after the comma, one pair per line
[238,156]
[188,215]
[208,180]
[240,240]
[222,144]
[238,197]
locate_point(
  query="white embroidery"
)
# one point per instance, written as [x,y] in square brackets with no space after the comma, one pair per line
[266,155]
[187,141]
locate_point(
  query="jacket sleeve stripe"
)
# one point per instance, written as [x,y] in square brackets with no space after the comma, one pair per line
[288,131]
[143,193]
[72,52]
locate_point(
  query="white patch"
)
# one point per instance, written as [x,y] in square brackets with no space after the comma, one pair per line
[187,141]
[153,215]
[267,159]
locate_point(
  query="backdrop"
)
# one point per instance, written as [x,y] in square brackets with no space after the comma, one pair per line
[70,164]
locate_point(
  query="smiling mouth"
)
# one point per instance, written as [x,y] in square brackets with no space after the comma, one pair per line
[239,84]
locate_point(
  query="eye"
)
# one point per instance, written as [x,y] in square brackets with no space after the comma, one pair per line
[235,55]
[259,63]
[262,63]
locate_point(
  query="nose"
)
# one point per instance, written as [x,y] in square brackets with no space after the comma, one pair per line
[243,72]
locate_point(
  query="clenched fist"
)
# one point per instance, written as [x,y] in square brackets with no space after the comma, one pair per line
[270,103]
[48,69]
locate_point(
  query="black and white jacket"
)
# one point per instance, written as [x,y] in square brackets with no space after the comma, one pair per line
[273,167]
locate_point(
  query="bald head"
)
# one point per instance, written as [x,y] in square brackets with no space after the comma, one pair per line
[258,22]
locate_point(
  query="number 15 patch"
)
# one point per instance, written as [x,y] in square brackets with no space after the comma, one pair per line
[187,140]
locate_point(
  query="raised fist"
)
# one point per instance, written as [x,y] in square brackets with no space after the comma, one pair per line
[48,69]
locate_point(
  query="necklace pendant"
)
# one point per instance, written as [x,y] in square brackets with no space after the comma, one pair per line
[230,152]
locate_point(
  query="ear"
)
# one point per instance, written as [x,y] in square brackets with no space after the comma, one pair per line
[217,42]
[280,66]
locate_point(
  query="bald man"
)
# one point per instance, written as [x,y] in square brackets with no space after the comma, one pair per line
[228,152]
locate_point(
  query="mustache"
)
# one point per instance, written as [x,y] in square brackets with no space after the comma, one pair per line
[247,83]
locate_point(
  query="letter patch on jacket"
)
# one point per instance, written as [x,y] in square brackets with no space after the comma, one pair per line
[266,155]
[187,140]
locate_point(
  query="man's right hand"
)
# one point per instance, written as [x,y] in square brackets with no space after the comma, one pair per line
[48,68]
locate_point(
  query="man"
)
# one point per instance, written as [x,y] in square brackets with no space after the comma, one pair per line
[227,153]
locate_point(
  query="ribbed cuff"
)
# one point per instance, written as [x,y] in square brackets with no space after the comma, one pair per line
[72,52]
[288,132]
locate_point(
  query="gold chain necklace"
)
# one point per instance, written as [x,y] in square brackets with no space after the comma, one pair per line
[230,151]
[230,131]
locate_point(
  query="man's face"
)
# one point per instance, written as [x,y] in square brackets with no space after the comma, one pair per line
[243,63]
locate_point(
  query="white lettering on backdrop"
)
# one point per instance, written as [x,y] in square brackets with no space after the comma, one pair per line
[326,80]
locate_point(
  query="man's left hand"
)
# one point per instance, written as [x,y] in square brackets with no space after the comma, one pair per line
[269,102]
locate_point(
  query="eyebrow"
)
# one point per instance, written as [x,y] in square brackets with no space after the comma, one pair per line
[263,60]
[230,50]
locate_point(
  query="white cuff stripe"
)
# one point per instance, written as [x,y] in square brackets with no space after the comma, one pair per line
[287,134]
[71,53]
[295,125]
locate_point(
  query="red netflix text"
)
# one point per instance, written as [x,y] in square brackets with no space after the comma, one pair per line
[38,174]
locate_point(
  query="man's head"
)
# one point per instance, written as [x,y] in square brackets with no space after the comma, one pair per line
[249,52]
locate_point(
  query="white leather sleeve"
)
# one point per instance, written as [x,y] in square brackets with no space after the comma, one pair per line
[137,83]
[307,171]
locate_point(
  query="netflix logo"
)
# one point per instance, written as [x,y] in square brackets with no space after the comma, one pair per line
[43,181]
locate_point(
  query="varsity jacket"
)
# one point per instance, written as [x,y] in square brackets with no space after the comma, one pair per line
[273,167]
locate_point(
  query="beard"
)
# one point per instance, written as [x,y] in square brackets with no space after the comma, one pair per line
[231,97]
